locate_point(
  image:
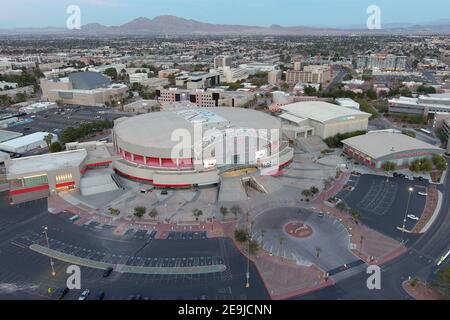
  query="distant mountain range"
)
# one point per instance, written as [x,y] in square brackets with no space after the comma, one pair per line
[172,25]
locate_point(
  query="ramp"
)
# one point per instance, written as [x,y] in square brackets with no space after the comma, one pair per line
[232,190]
[268,183]
[311,144]
[97,184]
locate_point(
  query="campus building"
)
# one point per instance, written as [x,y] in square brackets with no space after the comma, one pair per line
[381,61]
[83,88]
[423,105]
[204,97]
[322,119]
[376,148]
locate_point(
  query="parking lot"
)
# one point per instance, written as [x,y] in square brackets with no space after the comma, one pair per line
[187,235]
[26,274]
[56,120]
[382,203]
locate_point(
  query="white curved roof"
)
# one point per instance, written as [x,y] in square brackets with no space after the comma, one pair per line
[155,129]
[322,111]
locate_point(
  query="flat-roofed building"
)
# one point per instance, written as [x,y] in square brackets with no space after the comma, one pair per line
[40,176]
[377,148]
[324,118]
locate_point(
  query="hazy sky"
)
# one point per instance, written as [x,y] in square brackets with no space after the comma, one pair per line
[333,13]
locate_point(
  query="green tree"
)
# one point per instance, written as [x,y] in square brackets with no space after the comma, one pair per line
[48,140]
[307,193]
[253,247]
[235,209]
[442,281]
[314,190]
[440,162]
[197,213]
[426,165]
[224,211]
[55,147]
[153,213]
[389,166]
[356,215]
[241,235]
[341,206]
[139,212]
[112,73]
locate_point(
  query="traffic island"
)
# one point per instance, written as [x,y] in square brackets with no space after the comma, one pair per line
[419,290]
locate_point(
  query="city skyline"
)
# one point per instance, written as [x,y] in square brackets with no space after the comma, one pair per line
[352,13]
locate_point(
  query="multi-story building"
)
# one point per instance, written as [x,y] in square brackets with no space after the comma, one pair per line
[423,105]
[222,61]
[204,98]
[83,88]
[381,61]
[274,76]
[309,74]
[198,80]
[168,72]
[230,75]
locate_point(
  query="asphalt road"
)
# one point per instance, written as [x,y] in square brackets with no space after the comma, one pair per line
[337,79]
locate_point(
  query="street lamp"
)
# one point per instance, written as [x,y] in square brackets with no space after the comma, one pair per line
[52,264]
[410,190]
[247,284]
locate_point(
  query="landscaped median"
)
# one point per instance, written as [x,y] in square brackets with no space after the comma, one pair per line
[125,268]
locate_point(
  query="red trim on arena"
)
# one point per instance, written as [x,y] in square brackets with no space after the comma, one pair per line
[172,185]
[27,190]
[99,163]
[132,177]
[65,184]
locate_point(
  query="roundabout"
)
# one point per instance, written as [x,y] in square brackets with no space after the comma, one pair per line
[302,236]
[298,229]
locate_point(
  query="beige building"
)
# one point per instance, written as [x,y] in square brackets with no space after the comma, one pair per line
[321,119]
[84,89]
[309,74]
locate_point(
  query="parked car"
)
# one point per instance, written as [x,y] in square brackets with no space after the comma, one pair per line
[164,192]
[107,272]
[395,174]
[413,217]
[62,293]
[84,295]
[101,296]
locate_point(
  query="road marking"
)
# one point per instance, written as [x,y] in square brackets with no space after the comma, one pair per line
[442,259]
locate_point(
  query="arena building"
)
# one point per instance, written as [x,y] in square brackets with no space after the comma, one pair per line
[205,140]
[376,148]
[180,148]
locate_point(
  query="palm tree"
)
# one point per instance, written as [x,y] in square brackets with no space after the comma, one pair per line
[281,241]
[224,211]
[318,251]
[48,140]
[263,233]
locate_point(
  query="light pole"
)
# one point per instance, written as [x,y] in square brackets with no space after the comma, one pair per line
[48,246]
[410,190]
[247,275]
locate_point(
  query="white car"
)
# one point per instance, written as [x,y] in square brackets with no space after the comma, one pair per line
[84,295]
[422,194]
[413,217]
